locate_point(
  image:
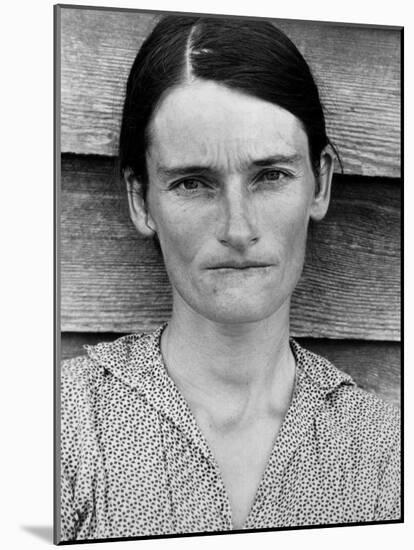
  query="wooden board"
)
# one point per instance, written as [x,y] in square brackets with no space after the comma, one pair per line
[357,69]
[375,366]
[114,281]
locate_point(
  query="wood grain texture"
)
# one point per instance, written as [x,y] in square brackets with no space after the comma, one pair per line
[114,281]
[357,69]
[375,366]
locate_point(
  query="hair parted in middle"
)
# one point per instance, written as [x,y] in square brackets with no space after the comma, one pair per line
[250,56]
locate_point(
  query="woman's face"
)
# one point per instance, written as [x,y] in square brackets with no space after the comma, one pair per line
[231,191]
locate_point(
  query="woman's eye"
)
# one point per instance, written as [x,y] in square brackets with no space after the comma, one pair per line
[189,186]
[271,175]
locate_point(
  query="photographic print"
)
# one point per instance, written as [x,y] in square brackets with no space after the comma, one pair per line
[228,196]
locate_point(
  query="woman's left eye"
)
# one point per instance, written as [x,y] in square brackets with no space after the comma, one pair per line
[271,176]
[190,185]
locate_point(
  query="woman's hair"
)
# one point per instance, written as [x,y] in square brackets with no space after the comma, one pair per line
[253,57]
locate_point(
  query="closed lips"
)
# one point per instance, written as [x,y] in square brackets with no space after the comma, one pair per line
[239,266]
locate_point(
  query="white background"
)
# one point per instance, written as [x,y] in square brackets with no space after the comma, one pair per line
[26,299]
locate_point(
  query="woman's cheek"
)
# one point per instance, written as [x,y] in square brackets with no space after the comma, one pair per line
[178,237]
[293,231]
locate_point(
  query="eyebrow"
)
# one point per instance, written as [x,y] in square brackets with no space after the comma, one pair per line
[183,170]
[171,172]
[278,159]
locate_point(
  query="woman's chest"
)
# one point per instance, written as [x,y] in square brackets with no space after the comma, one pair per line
[242,457]
[156,477]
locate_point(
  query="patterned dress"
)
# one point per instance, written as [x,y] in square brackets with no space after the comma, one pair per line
[135,463]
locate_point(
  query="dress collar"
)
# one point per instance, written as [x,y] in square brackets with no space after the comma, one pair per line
[136,361]
[132,358]
[324,376]
[136,357]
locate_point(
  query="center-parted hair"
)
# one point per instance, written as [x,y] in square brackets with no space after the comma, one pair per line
[253,57]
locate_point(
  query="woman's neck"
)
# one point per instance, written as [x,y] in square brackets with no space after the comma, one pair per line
[233,373]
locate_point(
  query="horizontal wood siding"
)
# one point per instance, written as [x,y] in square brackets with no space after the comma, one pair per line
[114,281]
[375,366]
[357,69]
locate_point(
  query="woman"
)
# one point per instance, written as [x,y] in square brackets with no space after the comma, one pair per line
[218,420]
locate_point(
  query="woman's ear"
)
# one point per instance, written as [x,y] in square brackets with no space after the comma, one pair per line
[322,196]
[138,210]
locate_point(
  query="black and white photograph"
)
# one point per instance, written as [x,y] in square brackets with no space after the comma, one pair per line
[228,271]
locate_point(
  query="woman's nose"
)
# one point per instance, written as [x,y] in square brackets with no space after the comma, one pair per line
[238,229]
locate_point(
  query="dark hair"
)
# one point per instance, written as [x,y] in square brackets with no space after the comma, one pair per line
[251,56]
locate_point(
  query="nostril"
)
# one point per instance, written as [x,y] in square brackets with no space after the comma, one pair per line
[238,242]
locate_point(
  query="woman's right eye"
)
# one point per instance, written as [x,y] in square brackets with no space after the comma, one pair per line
[190,185]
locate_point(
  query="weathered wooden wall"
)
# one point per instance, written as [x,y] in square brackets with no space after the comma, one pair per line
[358,71]
[347,306]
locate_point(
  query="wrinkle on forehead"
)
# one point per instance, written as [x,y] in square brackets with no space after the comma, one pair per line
[228,156]
[209,124]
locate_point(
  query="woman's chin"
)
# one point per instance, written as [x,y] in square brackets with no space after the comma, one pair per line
[238,311]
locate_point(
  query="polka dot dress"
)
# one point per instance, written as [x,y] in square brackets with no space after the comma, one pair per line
[134,462]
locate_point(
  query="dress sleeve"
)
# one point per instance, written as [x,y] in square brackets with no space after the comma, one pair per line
[76,432]
[389,499]
[67,512]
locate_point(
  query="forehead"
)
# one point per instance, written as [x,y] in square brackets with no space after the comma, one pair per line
[208,123]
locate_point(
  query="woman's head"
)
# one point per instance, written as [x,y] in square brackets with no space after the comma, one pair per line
[221,167]
[253,57]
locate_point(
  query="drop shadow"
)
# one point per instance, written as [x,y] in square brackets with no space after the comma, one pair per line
[44,532]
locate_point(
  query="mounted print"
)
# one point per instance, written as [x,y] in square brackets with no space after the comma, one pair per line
[228,195]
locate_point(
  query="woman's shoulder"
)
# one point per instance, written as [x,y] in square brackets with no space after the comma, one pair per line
[348,405]
[364,410]
[79,369]
[369,420]
[367,405]
[123,358]
[106,371]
